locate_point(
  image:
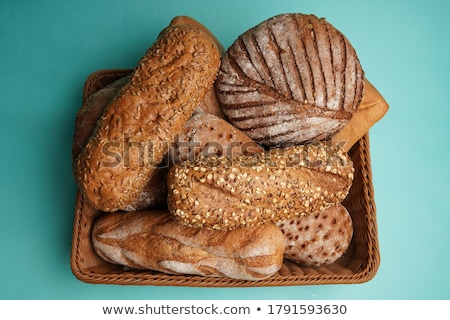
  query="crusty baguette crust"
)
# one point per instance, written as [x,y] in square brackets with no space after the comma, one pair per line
[138,126]
[291,79]
[222,192]
[153,240]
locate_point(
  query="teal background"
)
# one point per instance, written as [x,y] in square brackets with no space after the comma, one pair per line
[48,48]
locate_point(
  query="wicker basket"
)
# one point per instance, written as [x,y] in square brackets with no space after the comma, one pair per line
[359,264]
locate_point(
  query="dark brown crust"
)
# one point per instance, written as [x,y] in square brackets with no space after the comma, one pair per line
[148,112]
[291,79]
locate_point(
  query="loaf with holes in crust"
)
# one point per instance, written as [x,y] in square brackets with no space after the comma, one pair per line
[318,239]
[291,79]
[207,134]
[138,126]
[221,192]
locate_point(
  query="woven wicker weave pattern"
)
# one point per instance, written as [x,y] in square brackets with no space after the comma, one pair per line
[359,264]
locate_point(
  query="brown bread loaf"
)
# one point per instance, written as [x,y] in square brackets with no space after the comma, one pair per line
[154,193]
[186,21]
[153,240]
[318,239]
[209,104]
[222,192]
[206,134]
[291,79]
[139,124]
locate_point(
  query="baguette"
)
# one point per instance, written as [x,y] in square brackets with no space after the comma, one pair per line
[153,240]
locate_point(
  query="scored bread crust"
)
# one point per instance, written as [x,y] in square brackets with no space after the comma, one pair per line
[145,116]
[221,192]
[291,79]
[153,240]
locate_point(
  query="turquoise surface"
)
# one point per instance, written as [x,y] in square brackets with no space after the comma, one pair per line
[48,48]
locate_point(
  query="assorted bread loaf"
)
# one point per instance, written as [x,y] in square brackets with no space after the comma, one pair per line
[291,79]
[166,86]
[154,240]
[318,239]
[221,192]
[222,163]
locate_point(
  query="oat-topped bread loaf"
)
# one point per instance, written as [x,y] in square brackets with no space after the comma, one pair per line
[221,192]
[291,79]
[139,124]
[153,240]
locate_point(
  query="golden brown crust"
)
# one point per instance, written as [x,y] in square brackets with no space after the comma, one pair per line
[372,108]
[137,127]
[153,240]
[318,239]
[221,192]
[186,20]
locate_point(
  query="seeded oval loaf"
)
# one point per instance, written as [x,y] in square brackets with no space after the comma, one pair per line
[153,240]
[154,193]
[206,134]
[318,239]
[139,124]
[291,79]
[220,192]
[209,104]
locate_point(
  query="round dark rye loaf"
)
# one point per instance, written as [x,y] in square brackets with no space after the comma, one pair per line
[292,78]
[139,124]
[221,192]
